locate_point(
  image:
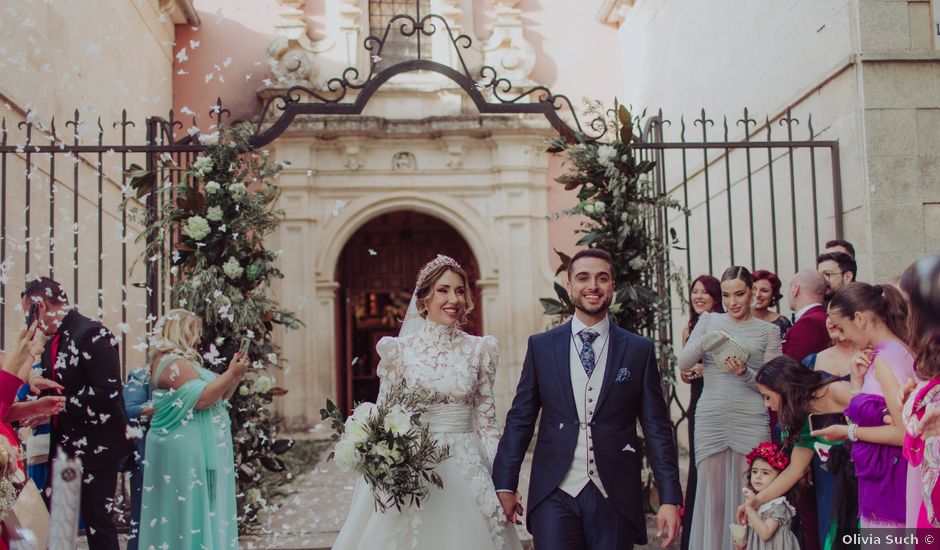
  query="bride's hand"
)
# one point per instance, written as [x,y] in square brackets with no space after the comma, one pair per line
[512,506]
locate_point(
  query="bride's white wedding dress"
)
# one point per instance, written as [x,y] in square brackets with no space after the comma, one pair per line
[459,369]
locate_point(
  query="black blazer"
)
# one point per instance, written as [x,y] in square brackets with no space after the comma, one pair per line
[93,425]
[630,391]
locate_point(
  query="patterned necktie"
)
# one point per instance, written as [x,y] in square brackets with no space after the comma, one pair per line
[587,350]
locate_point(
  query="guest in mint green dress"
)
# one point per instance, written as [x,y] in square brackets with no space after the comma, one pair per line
[189,477]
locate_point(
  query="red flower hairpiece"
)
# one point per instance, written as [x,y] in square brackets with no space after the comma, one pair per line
[769,452]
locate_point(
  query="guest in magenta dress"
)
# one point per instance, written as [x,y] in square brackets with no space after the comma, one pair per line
[921,282]
[874,319]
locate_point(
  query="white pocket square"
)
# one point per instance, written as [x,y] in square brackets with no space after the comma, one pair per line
[629,447]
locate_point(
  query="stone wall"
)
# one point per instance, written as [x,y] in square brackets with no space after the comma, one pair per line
[100,58]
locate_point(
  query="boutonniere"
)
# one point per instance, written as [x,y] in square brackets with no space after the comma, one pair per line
[623,375]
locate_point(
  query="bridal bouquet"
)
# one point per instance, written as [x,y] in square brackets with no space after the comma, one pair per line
[389,447]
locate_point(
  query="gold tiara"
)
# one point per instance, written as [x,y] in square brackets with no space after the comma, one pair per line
[434,264]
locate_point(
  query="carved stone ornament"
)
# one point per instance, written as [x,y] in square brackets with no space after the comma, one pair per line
[291,52]
[351,153]
[506,49]
[181,12]
[404,162]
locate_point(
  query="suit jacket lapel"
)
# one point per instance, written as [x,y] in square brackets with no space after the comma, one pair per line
[618,345]
[563,364]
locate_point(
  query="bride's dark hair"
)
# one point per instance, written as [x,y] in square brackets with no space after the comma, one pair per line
[426,286]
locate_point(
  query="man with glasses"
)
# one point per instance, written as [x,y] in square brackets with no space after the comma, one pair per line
[838,269]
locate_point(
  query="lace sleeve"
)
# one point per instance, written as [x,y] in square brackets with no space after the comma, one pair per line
[484,402]
[389,368]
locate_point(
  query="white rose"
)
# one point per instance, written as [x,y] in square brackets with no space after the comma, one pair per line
[237,189]
[363,411]
[232,268]
[382,449]
[599,206]
[175,270]
[345,455]
[244,390]
[355,432]
[197,227]
[606,153]
[203,165]
[214,213]
[397,421]
[637,263]
[263,384]
[588,208]
[212,187]
[209,139]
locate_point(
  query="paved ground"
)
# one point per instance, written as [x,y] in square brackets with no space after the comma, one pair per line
[311,513]
[311,517]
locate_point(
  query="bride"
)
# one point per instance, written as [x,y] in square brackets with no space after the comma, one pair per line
[432,352]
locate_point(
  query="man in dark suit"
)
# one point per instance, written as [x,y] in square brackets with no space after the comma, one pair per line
[808,334]
[81,362]
[591,381]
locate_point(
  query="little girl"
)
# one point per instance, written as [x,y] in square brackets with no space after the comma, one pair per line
[769,525]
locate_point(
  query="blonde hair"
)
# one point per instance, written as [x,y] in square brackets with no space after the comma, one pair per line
[426,285]
[181,333]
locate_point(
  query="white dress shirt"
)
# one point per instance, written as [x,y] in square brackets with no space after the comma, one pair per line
[796,317]
[586,391]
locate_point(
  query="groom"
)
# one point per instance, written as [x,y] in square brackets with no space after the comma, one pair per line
[591,380]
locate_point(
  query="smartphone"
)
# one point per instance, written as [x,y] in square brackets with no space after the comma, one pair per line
[818,421]
[32,314]
[243,347]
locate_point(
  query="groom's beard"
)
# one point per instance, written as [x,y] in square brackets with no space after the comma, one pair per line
[579,304]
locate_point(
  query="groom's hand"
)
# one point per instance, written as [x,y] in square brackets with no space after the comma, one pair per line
[668,522]
[512,506]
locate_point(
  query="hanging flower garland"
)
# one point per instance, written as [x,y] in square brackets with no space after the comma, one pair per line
[616,198]
[215,215]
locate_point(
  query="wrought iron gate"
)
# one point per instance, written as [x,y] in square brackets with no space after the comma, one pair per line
[740,211]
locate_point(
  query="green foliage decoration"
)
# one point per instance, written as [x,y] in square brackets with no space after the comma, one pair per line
[214,217]
[617,198]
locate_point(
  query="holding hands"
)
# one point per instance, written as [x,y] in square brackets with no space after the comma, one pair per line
[512,506]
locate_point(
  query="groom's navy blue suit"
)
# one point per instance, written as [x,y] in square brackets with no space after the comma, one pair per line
[545,385]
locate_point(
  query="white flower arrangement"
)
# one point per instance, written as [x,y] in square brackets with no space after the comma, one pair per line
[212,187]
[389,447]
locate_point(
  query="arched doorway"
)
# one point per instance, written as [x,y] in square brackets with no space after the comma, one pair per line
[376,272]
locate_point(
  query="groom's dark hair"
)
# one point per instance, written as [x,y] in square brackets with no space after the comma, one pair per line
[591,253]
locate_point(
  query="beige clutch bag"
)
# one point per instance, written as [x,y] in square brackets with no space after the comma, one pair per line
[722,346]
